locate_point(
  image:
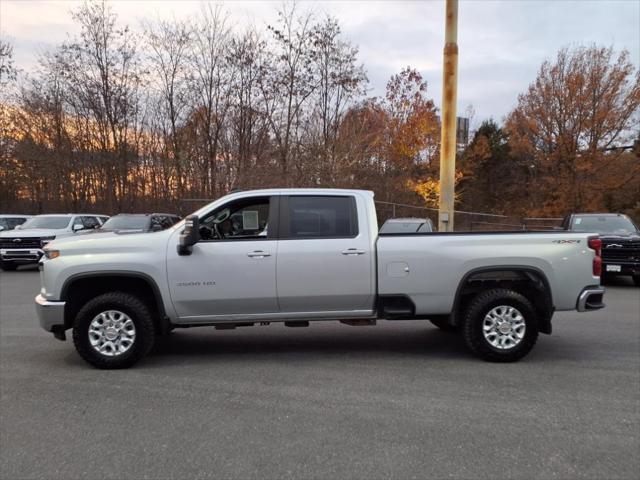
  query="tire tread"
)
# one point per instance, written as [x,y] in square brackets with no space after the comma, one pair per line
[474,339]
[145,327]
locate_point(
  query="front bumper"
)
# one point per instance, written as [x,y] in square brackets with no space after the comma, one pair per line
[21,256]
[50,314]
[590,299]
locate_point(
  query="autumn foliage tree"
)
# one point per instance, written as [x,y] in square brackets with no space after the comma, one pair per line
[566,125]
[493,179]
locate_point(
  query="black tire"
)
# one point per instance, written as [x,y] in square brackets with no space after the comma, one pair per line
[444,325]
[480,306]
[8,267]
[132,306]
[636,280]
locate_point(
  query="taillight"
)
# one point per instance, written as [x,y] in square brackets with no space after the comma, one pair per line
[596,244]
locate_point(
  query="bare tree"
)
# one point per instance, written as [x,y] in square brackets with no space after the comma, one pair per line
[170,43]
[210,86]
[289,83]
[103,77]
[340,81]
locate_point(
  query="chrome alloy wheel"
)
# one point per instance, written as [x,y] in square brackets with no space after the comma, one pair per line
[504,327]
[111,333]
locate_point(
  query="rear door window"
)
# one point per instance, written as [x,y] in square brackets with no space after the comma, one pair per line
[319,217]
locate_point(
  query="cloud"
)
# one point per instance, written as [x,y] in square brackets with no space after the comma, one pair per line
[502,43]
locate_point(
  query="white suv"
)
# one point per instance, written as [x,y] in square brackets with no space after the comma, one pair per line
[23,245]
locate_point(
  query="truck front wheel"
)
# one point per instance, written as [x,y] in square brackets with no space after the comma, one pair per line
[500,325]
[113,330]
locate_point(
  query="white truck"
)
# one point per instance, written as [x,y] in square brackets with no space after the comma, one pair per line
[23,245]
[303,255]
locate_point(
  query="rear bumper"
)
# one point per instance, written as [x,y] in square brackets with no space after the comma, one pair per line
[590,299]
[50,314]
[21,256]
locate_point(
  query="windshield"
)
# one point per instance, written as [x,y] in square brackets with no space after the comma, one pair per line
[55,223]
[603,224]
[126,222]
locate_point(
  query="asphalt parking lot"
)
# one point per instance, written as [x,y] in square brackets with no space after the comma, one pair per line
[400,400]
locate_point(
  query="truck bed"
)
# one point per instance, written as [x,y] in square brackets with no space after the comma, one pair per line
[428,267]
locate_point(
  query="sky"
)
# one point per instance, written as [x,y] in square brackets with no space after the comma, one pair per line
[501,43]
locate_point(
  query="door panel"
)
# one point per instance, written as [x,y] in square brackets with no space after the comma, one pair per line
[324,258]
[232,270]
[224,278]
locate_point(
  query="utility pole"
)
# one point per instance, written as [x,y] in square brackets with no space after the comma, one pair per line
[448,119]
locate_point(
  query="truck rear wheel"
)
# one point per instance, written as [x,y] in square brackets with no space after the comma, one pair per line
[500,325]
[113,330]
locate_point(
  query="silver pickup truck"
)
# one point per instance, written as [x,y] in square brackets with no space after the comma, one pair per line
[303,255]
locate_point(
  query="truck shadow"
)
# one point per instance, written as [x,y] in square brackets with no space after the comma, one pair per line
[321,343]
[619,281]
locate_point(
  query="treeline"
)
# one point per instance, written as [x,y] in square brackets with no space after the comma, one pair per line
[123,120]
[558,150]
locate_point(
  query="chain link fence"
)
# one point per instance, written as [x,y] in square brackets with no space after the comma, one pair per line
[464,221]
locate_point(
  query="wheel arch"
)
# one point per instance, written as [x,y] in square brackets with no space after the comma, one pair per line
[79,288]
[509,274]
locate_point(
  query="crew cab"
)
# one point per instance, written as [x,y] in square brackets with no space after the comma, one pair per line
[23,245]
[300,256]
[620,241]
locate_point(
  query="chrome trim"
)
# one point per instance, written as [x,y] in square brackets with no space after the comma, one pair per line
[584,298]
[33,255]
[50,314]
[111,333]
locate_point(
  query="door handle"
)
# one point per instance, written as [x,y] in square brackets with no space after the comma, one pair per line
[258,254]
[353,251]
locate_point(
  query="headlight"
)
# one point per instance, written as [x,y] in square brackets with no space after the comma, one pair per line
[51,254]
[45,240]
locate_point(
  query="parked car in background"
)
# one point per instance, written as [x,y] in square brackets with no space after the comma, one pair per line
[138,222]
[407,225]
[24,245]
[9,221]
[620,241]
[303,255]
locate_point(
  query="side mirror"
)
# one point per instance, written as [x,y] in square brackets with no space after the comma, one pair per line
[77,227]
[190,236]
[156,228]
